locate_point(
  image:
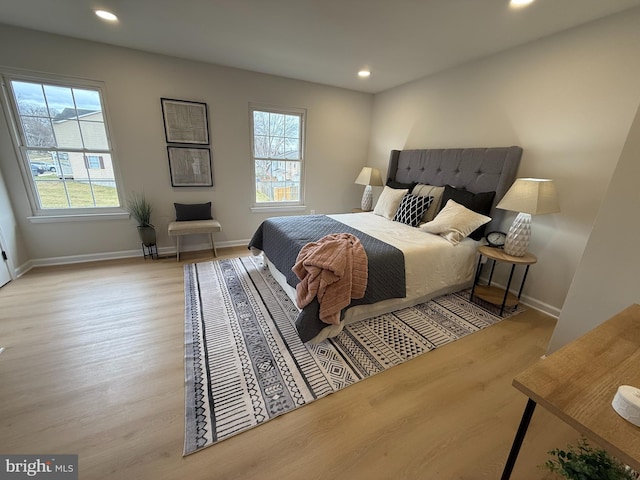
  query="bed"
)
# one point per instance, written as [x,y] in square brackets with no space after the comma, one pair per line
[406,264]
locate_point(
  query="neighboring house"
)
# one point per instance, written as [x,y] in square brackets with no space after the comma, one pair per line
[83,166]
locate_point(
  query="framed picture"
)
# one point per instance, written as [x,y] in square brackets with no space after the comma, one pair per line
[190,166]
[185,122]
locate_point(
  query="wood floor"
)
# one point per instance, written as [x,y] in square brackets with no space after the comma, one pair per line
[94,366]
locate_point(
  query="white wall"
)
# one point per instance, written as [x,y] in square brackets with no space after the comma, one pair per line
[568,100]
[337,134]
[607,280]
[11,236]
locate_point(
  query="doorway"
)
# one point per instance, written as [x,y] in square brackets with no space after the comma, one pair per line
[5,272]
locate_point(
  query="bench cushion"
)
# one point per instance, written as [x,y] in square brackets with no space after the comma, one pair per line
[194,226]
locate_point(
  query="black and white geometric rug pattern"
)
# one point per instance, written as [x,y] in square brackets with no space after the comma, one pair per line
[244,361]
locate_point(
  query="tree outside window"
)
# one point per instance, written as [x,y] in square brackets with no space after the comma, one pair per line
[277,139]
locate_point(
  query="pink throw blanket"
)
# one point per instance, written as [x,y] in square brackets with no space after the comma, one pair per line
[334,269]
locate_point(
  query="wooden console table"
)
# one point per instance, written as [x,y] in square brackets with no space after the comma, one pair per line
[578,382]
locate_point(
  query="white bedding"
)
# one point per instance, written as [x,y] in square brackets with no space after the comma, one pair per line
[433,266]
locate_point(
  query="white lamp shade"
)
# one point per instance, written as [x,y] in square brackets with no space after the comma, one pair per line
[535,196]
[369,176]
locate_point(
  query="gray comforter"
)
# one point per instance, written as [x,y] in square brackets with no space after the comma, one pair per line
[281,238]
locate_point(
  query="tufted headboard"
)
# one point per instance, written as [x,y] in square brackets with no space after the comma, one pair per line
[474,169]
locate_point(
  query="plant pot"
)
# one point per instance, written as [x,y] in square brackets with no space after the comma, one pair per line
[147,236]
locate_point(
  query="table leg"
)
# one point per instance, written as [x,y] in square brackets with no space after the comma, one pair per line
[493,267]
[524,277]
[506,290]
[517,441]
[477,277]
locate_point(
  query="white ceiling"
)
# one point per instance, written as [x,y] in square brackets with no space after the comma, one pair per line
[323,41]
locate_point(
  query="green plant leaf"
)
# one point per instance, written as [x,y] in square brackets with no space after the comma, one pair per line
[140,209]
[584,462]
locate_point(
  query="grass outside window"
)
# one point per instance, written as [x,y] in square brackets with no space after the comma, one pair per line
[52,193]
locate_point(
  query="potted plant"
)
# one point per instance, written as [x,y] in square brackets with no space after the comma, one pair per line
[140,209]
[584,462]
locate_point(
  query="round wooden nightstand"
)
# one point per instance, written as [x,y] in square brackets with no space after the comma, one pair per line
[496,295]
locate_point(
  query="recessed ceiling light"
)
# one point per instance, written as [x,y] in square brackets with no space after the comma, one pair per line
[364,73]
[519,3]
[106,15]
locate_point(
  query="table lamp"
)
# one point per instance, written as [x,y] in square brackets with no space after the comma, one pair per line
[369,176]
[527,196]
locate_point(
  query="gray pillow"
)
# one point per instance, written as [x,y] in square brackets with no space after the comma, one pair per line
[401,186]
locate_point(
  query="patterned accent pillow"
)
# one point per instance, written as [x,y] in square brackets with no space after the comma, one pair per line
[412,209]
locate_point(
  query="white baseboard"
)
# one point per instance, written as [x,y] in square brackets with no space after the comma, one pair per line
[22,269]
[97,257]
[85,258]
[541,306]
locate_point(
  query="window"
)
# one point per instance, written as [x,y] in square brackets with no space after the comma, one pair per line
[278,152]
[64,143]
[95,161]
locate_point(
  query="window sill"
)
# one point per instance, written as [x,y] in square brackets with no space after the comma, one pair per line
[279,208]
[87,217]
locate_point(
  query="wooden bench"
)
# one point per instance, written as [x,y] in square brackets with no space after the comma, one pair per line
[194,227]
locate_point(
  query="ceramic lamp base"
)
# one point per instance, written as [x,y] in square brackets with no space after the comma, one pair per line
[517,241]
[367,199]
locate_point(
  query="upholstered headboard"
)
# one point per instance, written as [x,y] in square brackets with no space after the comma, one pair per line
[474,169]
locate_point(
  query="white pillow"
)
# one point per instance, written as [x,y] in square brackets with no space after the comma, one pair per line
[389,201]
[429,191]
[455,222]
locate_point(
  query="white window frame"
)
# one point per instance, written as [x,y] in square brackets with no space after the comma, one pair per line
[46,215]
[258,207]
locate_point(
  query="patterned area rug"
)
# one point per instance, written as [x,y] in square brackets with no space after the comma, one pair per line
[245,363]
